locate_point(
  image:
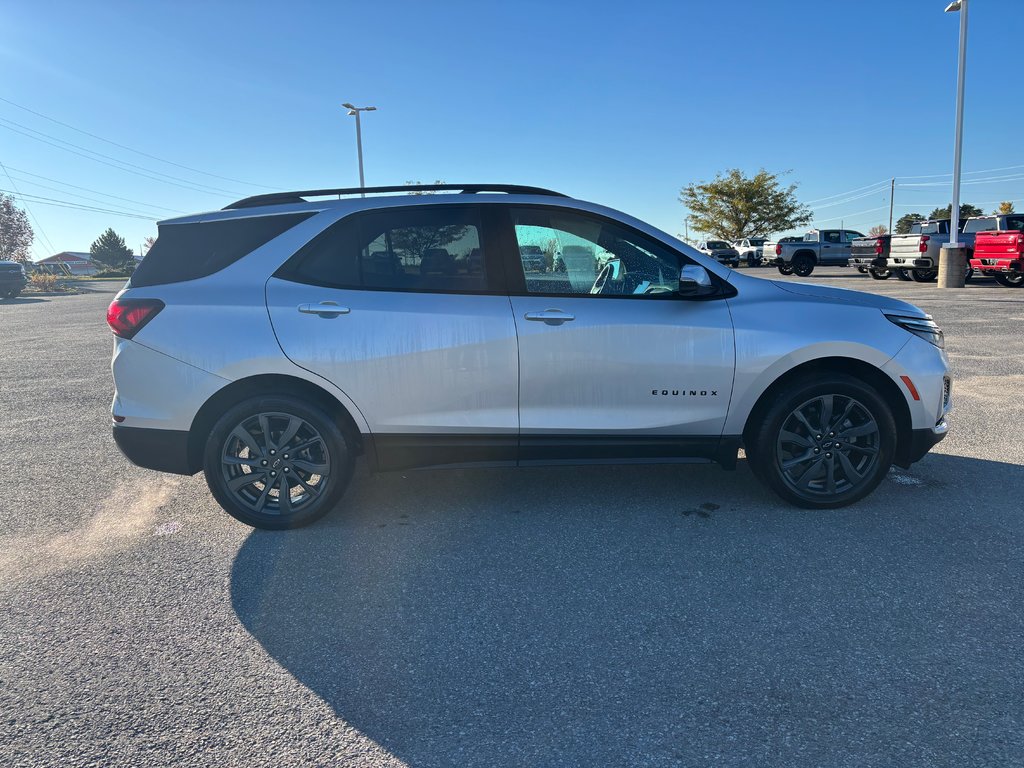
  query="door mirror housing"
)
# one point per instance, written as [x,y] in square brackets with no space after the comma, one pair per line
[695,282]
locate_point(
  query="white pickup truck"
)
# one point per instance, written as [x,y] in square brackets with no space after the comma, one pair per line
[751,250]
[916,255]
[820,247]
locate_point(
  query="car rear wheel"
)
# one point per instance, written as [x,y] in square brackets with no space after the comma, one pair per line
[879,274]
[923,275]
[277,462]
[803,265]
[14,294]
[786,269]
[1010,279]
[826,443]
[903,274]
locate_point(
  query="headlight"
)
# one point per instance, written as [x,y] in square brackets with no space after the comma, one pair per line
[924,327]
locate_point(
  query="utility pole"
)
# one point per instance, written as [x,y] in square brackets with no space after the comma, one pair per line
[353,110]
[892,191]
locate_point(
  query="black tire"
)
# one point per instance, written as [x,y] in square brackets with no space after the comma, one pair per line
[903,274]
[879,274]
[968,273]
[803,265]
[751,260]
[794,461]
[785,269]
[862,270]
[316,454]
[14,294]
[924,275]
[1010,280]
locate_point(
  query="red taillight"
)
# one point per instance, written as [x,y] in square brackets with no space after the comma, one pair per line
[879,247]
[778,249]
[923,245]
[127,316]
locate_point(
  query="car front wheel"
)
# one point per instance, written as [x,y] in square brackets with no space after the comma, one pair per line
[826,443]
[277,462]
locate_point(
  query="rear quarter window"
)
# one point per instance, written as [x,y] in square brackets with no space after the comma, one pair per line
[198,249]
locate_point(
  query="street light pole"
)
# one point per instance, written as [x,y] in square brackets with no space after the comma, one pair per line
[954,213]
[953,255]
[353,110]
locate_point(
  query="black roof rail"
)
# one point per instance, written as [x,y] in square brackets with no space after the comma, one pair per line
[281,198]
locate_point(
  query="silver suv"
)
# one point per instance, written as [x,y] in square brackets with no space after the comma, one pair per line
[271,343]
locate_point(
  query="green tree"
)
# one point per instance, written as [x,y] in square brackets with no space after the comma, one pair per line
[109,251]
[966,211]
[15,232]
[734,206]
[878,229]
[906,221]
[1004,207]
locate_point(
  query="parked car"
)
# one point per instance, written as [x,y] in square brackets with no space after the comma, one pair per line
[12,279]
[819,247]
[1000,253]
[751,250]
[533,258]
[917,253]
[869,254]
[271,343]
[720,251]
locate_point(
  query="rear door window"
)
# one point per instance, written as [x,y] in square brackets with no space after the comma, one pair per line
[198,249]
[1015,221]
[429,248]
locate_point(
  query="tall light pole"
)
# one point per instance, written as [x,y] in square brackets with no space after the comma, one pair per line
[953,255]
[353,110]
[954,213]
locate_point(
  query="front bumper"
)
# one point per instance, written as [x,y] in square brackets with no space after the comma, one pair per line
[165,450]
[919,443]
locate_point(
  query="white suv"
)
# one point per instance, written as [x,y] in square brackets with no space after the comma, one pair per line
[271,343]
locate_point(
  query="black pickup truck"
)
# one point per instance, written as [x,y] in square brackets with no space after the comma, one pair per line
[869,254]
[12,279]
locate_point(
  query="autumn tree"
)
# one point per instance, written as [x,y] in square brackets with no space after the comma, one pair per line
[15,232]
[877,230]
[109,251]
[734,206]
[1005,207]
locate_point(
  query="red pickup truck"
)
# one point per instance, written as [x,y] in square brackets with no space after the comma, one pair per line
[1000,253]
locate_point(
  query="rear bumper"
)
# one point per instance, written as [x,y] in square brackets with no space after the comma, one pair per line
[9,283]
[165,450]
[921,441]
[997,265]
[878,262]
[909,262]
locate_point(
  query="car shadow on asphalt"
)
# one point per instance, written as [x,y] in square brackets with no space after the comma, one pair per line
[21,300]
[639,615]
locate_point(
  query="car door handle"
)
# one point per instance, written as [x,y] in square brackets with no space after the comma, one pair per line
[324,309]
[550,316]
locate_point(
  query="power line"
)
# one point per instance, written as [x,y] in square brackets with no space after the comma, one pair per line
[850,199]
[130,149]
[990,180]
[848,192]
[42,233]
[851,215]
[74,205]
[94,191]
[188,185]
[79,195]
[964,173]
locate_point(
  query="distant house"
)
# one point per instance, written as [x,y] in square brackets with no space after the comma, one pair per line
[77,262]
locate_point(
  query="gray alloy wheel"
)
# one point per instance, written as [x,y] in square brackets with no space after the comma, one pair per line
[786,269]
[879,274]
[277,462]
[828,446]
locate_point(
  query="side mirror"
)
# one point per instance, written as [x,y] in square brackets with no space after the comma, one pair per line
[695,282]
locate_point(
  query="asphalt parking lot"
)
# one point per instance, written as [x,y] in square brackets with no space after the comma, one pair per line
[640,616]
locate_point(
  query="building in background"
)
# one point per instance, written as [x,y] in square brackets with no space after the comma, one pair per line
[77,262]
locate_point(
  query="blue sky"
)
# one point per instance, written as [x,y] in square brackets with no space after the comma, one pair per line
[619,103]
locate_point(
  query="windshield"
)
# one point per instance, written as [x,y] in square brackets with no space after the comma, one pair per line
[718,244]
[758,240]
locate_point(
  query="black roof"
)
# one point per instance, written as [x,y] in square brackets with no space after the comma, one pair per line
[281,198]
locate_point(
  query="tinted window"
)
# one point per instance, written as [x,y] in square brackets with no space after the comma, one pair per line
[1015,222]
[718,244]
[981,225]
[189,251]
[592,256]
[831,236]
[850,235]
[403,249]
